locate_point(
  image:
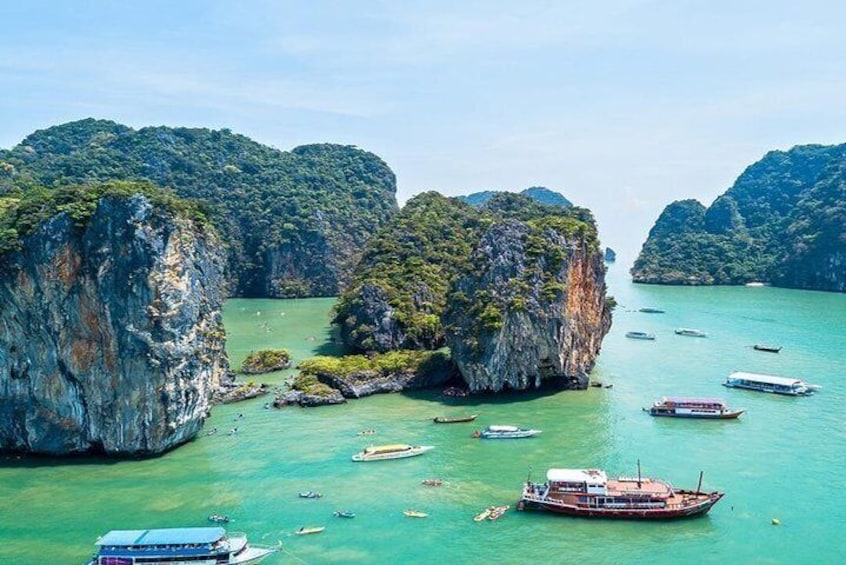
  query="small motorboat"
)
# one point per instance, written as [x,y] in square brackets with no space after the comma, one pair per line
[310,530]
[768,348]
[497,512]
[483,514]
[415,514]
[432,482]
[689,332]
[505,432]
[343,514]
[219,519]
[456,392]
[455,420]
[310,494]
[640,335]
[649,310]
[369,432]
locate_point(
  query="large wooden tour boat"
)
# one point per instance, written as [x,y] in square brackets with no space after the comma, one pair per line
[589,493]
[683,407]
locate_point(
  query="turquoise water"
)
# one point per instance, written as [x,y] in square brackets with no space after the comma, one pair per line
[782,459]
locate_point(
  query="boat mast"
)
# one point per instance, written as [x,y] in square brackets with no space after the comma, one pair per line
[699,486]
[638,473]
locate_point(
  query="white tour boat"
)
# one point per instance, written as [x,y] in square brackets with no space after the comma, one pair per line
[505,432]
[396,451]
[177,546]
[770,383]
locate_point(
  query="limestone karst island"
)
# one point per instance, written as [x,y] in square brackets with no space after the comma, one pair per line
[196,328]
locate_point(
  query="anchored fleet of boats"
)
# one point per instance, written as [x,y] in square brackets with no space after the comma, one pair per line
[576,492]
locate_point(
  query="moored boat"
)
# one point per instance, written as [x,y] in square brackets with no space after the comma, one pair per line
[310,494]
[684,407]
[454,420]
[343,514]
[640,335]
[178,546]
[770,383]
[218,518]
[395,451]
[649,310]
[483,514]
[432,482]
[505,432]
[767,348]
[497,512]
[310,530]
[589,493]
[415,514]
[690,332]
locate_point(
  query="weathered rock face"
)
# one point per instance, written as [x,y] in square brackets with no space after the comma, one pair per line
[381,330]
[111,337]
[524,318]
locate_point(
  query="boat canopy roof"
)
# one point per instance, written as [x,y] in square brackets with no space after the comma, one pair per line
[691,400]
[593,476]
[503,428]
[391,447]
[761,378]
[167,536]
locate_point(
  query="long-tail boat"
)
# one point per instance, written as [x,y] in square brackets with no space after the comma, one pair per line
[454,420]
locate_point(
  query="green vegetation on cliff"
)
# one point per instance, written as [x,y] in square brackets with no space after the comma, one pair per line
[537,193]
[294,221]
[265,361]
[783,221]
[22,214]
[401,287]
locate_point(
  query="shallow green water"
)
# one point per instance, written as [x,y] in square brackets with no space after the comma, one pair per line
[783,459]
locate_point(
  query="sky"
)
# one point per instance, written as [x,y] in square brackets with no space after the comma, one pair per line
[623,106]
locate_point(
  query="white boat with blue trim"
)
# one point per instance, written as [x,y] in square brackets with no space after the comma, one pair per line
[770,383]
[505,432]
[178,546]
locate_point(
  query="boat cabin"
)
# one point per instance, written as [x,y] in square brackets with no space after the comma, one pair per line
[693,404]
[589,481]
[375,449]
[768,383]
[127,547]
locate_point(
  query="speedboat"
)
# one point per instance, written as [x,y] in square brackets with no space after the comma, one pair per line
[310,494]
[505,432]
[640,335]
[310,530]
[395,451]
[691,332]
[415,514]
[343,514]
[219,518]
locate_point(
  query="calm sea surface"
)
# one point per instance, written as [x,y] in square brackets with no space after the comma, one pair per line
[782,459]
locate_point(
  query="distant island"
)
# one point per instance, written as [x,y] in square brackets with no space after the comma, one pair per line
[783,222]
[537,193]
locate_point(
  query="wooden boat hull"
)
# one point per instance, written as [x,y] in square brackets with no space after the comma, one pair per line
[440,420]
[699,508]
[730,415]
[766,348]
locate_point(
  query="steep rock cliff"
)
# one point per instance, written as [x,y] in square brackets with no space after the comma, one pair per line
[111,337]
[532,311]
